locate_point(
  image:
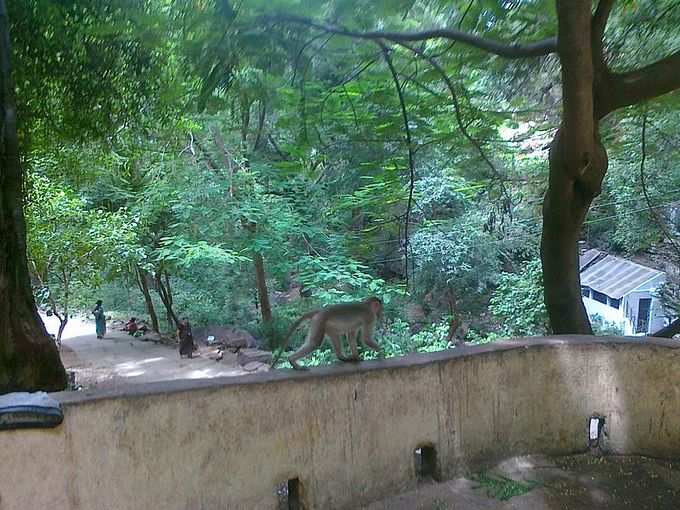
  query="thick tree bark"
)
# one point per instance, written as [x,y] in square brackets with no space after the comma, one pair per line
[29,359]
[143,284]
[564,208]
[578,163]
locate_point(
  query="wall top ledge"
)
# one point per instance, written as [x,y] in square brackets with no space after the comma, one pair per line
[69,398]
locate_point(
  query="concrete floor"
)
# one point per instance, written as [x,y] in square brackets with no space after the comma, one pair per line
[120,359]
[582,482]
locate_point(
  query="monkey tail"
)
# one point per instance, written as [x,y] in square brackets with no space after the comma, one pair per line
[292,329]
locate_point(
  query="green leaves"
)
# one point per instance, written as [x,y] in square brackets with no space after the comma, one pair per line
[181,253]
[518,302]
[71,246]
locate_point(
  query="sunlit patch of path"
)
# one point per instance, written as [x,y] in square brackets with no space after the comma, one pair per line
[119,359]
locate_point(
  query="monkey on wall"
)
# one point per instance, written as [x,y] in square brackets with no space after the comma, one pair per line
[334,321]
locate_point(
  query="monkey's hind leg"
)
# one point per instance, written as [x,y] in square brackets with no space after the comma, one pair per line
[337,347]
[310,345]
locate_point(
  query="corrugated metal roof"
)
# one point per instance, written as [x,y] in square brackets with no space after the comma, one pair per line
[587,258]
[616,277]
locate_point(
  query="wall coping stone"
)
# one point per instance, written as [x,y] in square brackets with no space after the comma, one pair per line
[70,398]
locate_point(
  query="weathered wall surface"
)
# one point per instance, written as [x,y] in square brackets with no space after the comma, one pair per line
[348,433]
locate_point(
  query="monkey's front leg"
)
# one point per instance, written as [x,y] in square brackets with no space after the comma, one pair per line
[368,341]
[352,341]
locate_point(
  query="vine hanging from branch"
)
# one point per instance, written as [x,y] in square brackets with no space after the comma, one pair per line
[409,145]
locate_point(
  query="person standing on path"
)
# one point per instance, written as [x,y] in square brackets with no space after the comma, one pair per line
[99,319]
[186,338]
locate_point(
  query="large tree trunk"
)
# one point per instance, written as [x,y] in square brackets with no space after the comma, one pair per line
[29,359]
[578,163]
[143,284]
[564,208]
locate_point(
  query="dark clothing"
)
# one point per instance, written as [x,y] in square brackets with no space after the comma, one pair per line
[186,339]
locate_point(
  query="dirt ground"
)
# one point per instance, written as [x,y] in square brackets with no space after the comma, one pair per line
[582,482]
[120,359]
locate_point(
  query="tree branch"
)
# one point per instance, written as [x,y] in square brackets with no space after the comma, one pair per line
[576,57]
[506,50]
[599,23]
[652,210]
[409,144]
[654,80]
[457,110]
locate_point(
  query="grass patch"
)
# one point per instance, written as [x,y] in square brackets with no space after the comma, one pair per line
[502,488]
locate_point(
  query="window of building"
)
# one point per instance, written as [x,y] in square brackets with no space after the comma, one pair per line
[615,303]
[585,291]
[600,297]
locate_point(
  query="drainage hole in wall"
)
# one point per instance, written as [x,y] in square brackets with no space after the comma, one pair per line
[289,495]
[425,458]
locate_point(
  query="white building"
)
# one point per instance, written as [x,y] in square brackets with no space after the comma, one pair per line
[622,292]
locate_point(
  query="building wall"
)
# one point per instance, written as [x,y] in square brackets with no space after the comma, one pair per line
[657,318]
[608,313]
[347,432]
[626,315]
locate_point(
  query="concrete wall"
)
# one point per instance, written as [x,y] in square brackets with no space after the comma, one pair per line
[348,433]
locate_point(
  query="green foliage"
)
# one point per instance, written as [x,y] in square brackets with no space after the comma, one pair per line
[502,488]
[186,137]
[518,303]
[71,247]
[669,293]
[603,327]
[477,338]
[337,279]
[456,255]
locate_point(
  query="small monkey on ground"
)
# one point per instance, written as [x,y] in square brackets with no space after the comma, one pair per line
[335,321]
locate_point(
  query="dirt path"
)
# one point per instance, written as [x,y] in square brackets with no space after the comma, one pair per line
[120,359]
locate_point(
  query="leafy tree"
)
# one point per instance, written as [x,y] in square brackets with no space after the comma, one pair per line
[28,356]
[593,87]
[72,246]
[518,304]
[49,95]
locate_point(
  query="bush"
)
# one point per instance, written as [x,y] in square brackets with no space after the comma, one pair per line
[604,328]
[518,302]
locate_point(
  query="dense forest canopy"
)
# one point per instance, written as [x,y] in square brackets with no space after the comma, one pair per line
[241,162]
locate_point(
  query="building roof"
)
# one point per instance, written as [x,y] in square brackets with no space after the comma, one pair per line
[589,256]
[613,276]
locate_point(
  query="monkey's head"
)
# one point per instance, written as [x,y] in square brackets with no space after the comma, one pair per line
[376,305]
